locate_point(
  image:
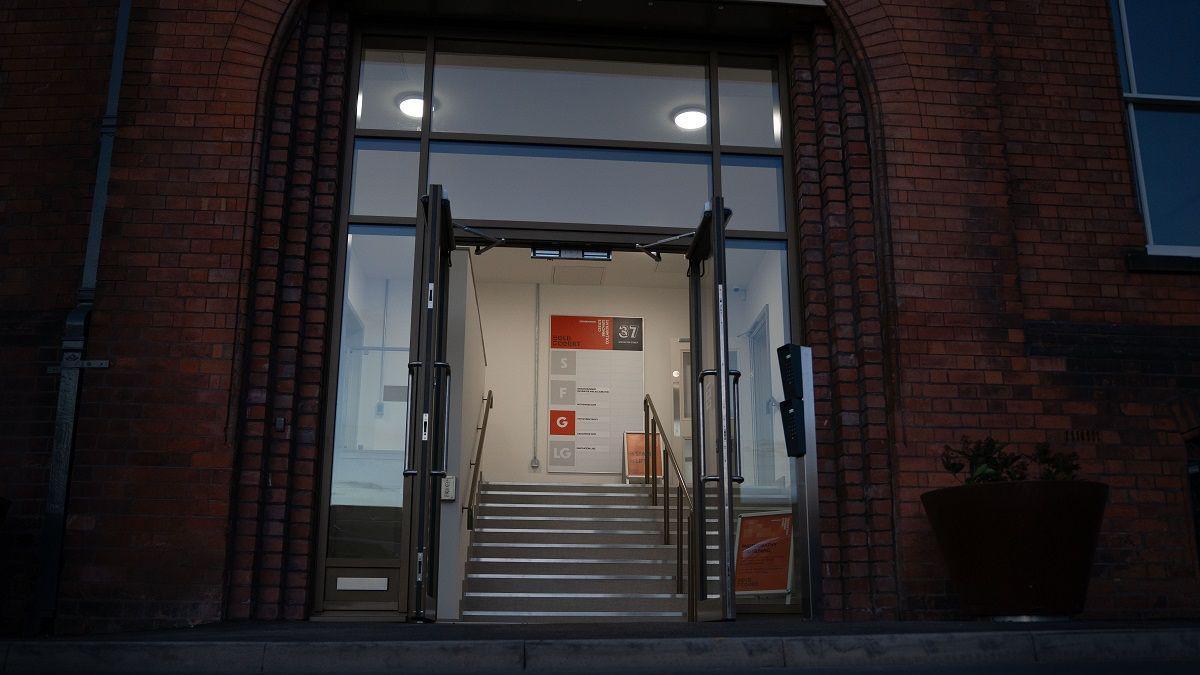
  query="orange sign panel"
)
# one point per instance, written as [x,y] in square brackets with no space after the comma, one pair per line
[562,422]
[764,553]
[581,332]
[635,455]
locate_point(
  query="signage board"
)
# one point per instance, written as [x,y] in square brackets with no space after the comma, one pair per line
[635,457]
[764,553]
[595,391]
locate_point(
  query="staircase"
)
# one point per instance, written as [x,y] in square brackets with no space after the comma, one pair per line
[569,553]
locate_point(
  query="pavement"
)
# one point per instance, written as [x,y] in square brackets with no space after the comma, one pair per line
[775,645]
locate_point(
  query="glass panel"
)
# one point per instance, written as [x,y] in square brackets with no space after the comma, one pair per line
[385,178]
[1169,146]
[707,428]
[1165,39]
[567,98]
[753,190]
[758,325]
[749,107]
[572,185]
[389,92]
[367,494]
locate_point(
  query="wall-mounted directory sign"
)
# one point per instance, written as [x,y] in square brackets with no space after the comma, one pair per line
[764,553]
[596,389]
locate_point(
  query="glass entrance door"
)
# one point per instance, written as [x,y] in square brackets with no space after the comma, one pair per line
[429,378]
[714,444]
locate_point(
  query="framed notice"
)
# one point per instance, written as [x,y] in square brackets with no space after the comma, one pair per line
[764,554]
[635,457]
[595,391]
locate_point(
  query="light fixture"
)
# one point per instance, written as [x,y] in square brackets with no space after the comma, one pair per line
[690,118]
[412,104]
[360,105]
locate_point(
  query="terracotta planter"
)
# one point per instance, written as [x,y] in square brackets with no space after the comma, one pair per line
[1019,549]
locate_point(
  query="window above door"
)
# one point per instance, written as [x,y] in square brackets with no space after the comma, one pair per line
[536,135]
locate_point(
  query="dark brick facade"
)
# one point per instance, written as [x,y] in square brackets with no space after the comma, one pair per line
[965,205]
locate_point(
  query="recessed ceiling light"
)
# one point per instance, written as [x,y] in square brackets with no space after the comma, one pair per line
[412,106]
[690,119]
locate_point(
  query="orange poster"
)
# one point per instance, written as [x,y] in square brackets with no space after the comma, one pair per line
[764,553]
[635,455]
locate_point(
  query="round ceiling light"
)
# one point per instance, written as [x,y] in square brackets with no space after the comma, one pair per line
[411,105]
[690,119]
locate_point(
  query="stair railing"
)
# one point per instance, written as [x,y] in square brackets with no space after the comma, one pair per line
[472,503]
[654,433]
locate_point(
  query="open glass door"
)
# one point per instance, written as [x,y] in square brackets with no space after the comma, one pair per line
[714,446]
[429,415]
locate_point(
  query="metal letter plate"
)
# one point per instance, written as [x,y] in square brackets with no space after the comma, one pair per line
[362,583]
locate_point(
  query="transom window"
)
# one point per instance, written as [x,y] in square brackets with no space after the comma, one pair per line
[587,138]
[1158,44]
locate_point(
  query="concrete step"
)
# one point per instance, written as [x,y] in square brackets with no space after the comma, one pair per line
[572,617]
[634,488]
[573,602]
[621,522]
[575,582]
[496,495]
[610,565]
[554,508]
[513,550]
[567,535]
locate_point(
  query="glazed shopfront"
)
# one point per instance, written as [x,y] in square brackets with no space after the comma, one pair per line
[580,180]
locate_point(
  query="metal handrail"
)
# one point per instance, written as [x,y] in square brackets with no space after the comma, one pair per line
[481,431]
[669,454]
[654,431]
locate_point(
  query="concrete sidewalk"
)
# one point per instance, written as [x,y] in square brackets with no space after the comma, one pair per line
[740,646]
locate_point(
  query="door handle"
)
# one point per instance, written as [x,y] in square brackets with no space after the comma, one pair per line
[443,366]
[736,412]
[409,470]
[707,478]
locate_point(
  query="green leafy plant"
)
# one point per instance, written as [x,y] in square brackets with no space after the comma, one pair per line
[989,461]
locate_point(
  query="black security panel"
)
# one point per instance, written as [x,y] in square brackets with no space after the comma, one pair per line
[789,371]
[792,412]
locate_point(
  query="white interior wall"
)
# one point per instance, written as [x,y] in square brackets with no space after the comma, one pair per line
[465,351]
[508,311]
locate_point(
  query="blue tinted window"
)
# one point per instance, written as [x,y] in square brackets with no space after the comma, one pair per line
[493,181]
[1164,37]
[1169,145]
[385,178]
[753,188]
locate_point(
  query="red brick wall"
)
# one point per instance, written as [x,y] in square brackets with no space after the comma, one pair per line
[964,197]
[52,73]
[275,495]
[1003,168]
[148,529]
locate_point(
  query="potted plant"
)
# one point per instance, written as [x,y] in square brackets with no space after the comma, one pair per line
[1016,547]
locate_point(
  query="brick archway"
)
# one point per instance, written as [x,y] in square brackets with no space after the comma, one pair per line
[837,164]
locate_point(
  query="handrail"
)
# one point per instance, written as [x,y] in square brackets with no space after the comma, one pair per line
[654,432]
[473,495]
[670,453]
